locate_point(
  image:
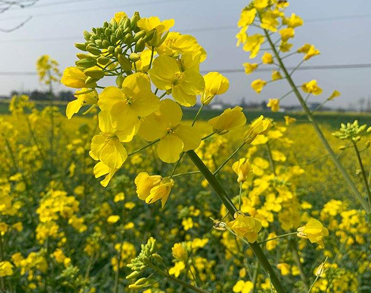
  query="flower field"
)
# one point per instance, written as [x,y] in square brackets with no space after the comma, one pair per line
[139,187]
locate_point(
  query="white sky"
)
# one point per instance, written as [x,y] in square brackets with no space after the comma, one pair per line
[341,39]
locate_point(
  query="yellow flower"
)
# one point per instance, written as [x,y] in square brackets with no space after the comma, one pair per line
[75,78]
[287,33]
[276,75]
[285,46]
[245,226]
[100,169]
[269,21]
[260,4]
[177,269]
[314,231]
[166,126]
[184,83]
[253,44]
[311,87]
[284,268]
[153,188]
[84,97]
[243,287]
[289,120]
[228,120]
[250,68]
[334,95]
[113,219]
[242,168]
[309,51]
[187,224]
[273,243]
[241,36]
[127,105]
[259,126]
[106,146]
[6,269]
[258,85]
[293,21]
[176,44]
[274,104]
[180,252]
[215,84]
[267,58]
[119,16]
[161,28]
[247,17]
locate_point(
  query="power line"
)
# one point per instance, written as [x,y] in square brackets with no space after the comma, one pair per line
[239,70]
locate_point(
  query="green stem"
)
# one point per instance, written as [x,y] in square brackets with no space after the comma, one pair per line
[150,62]
[362,171]
[176,165]
[240,197]
[180,282]
[143,148]
[230,157]
[255,277]
[273,165]
[296,257]
[278,237]
[232,209]
[198,113]
[324,141]
[186,173]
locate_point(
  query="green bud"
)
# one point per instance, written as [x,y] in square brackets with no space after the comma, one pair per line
[119,81]
[127,24]
[98,43]
[128,39]
[134,20]
[125,62]
[139,35]
[81,46]
[86,62]
[140,45]
[94,30]
[113,39]
[103,60]
[141,281]
[105,24]
[105,44]
[134,57]
[127,30]
[90,80]
[107,32]
[149,35]
[133,275]
[94,50]
[158,258]
[367,145]
[343,147]
[111,49]
[118,50]
[87,35]
[94,73]
[119,34]
[82,56]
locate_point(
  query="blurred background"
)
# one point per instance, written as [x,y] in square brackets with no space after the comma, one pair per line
[340,29]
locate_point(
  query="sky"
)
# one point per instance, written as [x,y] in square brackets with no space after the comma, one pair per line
[340,29]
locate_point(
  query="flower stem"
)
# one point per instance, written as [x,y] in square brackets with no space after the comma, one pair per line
[278,237]
[324,141]
[143,148]
[198,113]
[180,282]
[218,188]
[226,161]
[362,171]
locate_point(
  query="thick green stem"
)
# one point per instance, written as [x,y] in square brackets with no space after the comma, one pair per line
[218,188]
[324,141]
[363,171]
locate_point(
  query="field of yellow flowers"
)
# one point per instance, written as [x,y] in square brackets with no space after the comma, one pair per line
[134,197]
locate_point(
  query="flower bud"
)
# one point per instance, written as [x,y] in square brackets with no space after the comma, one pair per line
[95,73]
[141,281]
[139,35]
[140,45]
[342,148]
[125,62]
[103,60]
[158,258]
[134,20]
[81,46]
[86,62]
[133,275]
[93,50]
[134,57]
[87,35]
[119,80]
[128,39]
[127,24]
[111,49]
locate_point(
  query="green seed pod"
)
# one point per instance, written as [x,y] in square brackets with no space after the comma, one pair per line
[111,49]
[81,46]
[128,39]
[119,81]
[124,62]
[103,60]
[86,62]
[87,35]
[133,275]
[139,35]
[140,45]
[134,57]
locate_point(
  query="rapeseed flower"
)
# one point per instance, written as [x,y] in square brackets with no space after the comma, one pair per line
[215,84]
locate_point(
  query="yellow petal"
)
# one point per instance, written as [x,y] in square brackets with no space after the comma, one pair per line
[169,148]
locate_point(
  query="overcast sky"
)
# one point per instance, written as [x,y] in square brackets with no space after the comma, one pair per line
[341,29]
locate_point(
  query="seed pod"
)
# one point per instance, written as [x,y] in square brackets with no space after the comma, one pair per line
[94,50]
[87,35]
[140,45]
[133,275]
[134,57]
[139,35]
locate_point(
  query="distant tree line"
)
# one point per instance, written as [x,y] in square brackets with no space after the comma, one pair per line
[37,95]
